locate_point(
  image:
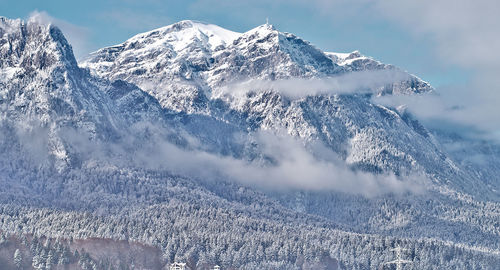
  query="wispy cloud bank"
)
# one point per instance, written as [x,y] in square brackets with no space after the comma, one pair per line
[437,111]
[354,82]
[283,163]
[286,164]
[465,34]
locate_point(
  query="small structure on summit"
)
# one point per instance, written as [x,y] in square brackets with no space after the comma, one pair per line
[177,266]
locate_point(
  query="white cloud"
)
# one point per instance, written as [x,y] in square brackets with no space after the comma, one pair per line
[287,165]
[354,82]
[465,34]
[77,36]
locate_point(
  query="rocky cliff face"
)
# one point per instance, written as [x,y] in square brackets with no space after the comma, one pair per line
[44,95]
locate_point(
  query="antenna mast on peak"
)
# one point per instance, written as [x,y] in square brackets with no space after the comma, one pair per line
[267,21]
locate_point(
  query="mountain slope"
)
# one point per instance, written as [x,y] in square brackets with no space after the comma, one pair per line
[239,83]
[355,61]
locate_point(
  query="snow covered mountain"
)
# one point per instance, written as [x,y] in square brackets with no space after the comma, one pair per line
[168,138]
[355,61]
[243,79]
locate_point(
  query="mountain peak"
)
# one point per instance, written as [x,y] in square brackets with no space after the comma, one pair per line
[186,32]
[6,24]
[262,31]
[33,45]
[266,27]
[187,24]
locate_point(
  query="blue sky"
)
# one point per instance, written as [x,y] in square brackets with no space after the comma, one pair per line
[452,44]
[346,28]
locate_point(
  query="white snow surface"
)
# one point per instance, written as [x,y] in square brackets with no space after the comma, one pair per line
[8,73]
[343,59]
[183,33]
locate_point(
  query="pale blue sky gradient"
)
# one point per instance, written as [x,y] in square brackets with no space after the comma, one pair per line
[343,27]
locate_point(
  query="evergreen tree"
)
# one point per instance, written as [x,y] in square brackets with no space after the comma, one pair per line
[18,259]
